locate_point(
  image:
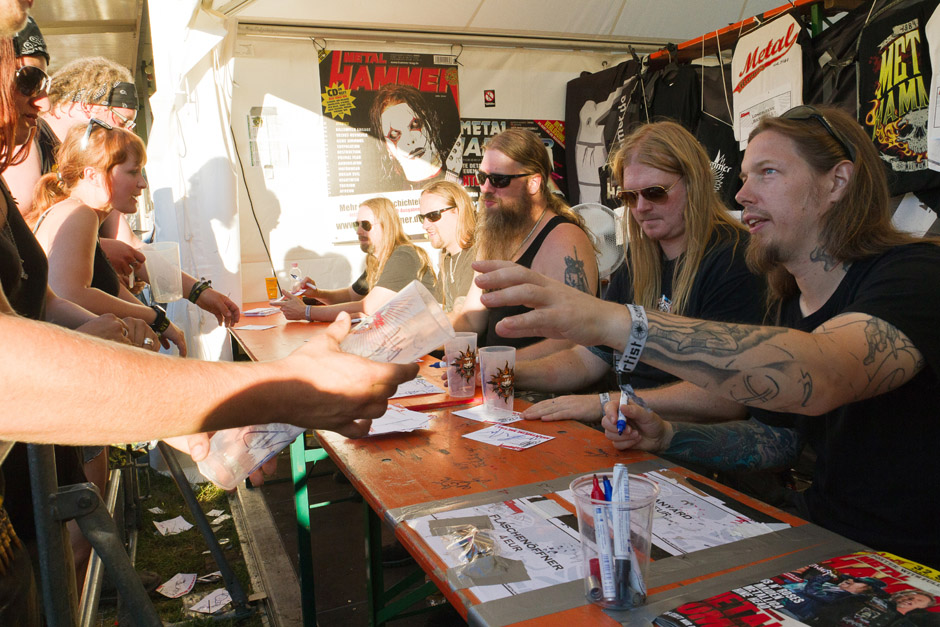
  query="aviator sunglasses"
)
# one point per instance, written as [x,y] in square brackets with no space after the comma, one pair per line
[365,224]
[31,81]
[434,216]
[806,112]
[655,194]
[91,125]
[498,181]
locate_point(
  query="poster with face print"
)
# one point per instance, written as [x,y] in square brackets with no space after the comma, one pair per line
[392,124]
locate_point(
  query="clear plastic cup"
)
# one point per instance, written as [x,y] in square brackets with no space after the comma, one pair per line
[163,269]
[409,326]
[236,453]
[615,572]
[498,365]
[460,355]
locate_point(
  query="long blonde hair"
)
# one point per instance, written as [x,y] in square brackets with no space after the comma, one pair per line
[457,196]
[668,147]
[393,236]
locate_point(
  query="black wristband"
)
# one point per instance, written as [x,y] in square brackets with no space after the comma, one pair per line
[161,323]
[198,289]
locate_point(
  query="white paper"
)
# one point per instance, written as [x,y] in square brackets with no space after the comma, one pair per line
[220,519]
[173,526]
[255,327]
[213,602]
[480,413]
[215,512]
[261,311]
[211,577]
[156,510]
[178,585]
[417,387]
[508,437]
[548,547]
[399,420]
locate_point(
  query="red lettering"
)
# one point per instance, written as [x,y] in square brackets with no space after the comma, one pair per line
[385,75]
[409,76]
[429,78]
[338,73]
[363,79]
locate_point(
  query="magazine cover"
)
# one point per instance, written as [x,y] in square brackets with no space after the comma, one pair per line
[858,590]
[477,131]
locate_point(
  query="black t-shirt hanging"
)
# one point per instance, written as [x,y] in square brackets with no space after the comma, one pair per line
[893,100]
[676,96]
[590,100]
[717,137]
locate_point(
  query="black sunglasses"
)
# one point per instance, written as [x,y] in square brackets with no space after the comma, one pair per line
[806,112]
[91,125]
[498,181]
[655,194]
[365,224]
[31,81]
[434,216]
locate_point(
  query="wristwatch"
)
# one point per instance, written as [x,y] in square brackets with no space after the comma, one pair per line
[161,323]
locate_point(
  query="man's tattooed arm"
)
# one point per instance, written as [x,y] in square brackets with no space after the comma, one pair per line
[575,276]
[740,445]
[851,357]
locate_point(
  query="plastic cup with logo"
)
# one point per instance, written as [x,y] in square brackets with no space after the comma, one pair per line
[498,366]
[409,326]
[163,268]
[615,540]
[460,355]
[271,287]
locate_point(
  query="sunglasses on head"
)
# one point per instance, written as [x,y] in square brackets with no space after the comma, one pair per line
[806,112]
[31,81]
[497,180]
[364,224]
[91,125]
[434,216]
[655,194]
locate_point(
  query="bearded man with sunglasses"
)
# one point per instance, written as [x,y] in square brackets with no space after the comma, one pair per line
[686,256]
[521,220]
[852,367]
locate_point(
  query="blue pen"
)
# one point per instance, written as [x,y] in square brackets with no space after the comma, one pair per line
[627,395]
[439,364]
[608,489]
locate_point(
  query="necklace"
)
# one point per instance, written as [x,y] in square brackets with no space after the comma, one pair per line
[526,239]
[453,262]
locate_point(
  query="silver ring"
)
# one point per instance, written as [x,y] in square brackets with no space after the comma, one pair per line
[124,331]
[148,341]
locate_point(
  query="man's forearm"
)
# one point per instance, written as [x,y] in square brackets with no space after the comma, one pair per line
[565,371]
[542,349]
[742,445]
[683,401]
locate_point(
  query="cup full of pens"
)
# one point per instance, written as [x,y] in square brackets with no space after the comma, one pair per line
[615,520]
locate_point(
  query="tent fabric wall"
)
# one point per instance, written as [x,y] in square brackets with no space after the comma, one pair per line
[289,199]
[191,162]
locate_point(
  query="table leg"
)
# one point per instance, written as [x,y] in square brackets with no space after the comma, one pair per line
[298,462]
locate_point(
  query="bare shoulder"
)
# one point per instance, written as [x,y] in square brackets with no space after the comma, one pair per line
[567,255]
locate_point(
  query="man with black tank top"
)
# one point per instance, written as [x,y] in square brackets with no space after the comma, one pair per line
[521,220]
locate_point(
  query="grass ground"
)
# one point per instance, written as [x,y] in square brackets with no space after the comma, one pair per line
[185,553]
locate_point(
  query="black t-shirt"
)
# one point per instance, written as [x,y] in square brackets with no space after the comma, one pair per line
[878,467]
[676,96]
[24,270]
[723,289]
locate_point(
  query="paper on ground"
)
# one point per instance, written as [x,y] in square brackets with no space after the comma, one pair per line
[480,413]
[213,602]
[173,526]
[399,420]
[508,437]
[215,512]
[156,510]
[220,519]
[178,585]
[417,387]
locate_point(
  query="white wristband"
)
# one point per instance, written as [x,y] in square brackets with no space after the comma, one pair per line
[307,313]
[639,328]
[605,398]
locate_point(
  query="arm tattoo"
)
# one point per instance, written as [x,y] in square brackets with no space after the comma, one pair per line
[575,275]
[740,445]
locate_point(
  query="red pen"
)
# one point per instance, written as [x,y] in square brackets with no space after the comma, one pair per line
[596,493]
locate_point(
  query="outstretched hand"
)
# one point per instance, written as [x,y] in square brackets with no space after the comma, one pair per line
[559,311]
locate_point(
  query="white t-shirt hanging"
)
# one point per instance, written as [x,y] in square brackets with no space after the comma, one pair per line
[932,31]
[767,74]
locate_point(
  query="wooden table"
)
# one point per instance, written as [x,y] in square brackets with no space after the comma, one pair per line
[404,476]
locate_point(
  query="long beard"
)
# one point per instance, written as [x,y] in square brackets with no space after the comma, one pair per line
[501,231]
[762,257]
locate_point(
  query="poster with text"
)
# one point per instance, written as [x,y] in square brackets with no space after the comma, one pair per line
[392,126]
[477,131]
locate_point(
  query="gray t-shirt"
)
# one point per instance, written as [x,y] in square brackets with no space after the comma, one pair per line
[456,275]
[401,269]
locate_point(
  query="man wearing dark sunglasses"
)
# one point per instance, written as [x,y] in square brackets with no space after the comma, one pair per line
[851,367]
[523,221]
[447,215]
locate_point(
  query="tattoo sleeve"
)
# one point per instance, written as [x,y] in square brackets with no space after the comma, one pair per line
[740,445]
[575,276]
